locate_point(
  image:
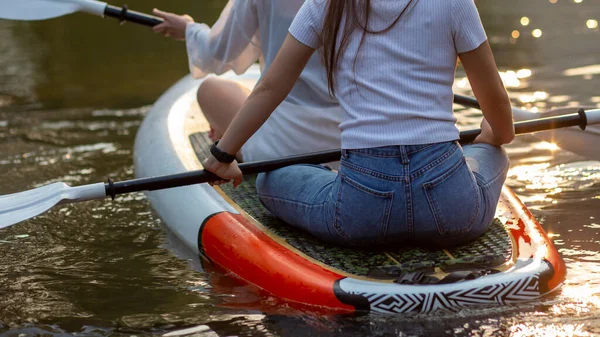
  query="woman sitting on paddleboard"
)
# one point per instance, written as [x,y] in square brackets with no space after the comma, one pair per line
[403,175]
[248,31]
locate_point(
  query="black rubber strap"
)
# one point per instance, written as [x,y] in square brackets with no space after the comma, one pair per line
[110,189]
[122,17]
[221,155]
[582,119]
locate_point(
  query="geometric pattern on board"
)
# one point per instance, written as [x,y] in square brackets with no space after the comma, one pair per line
[518,290]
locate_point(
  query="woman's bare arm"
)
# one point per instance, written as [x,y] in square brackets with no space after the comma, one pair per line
[266,96]
[489,90]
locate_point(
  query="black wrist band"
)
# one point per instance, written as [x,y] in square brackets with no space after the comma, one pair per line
[221,156]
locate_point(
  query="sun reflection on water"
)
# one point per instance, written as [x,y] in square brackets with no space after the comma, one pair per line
[541,176]
[545,146]
[522,330]
[576,303]
[584,298]
[540,184]
[534,178]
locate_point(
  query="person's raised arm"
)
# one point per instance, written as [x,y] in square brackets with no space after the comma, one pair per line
[173,25]
[230,44]
[489,90]
[266,96]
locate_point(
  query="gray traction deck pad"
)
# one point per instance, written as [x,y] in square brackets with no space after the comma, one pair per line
[492,249]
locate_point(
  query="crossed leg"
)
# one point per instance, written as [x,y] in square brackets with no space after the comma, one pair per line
[220,100]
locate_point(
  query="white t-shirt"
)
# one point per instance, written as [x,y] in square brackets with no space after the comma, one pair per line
[253,30]
[399,92]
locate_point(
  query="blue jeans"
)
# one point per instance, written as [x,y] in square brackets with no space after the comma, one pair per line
[435,194]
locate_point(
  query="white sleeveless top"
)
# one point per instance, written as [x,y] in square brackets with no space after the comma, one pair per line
[399,92]
[253,30]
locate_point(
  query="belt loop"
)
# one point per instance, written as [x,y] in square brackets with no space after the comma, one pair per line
[344,153]
[404,155]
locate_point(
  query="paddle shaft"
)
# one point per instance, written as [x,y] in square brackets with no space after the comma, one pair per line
[561,121]
[124,14]
[201,176]
[466,101]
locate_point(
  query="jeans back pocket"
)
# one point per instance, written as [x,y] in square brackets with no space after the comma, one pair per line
[454,200]
[362,214]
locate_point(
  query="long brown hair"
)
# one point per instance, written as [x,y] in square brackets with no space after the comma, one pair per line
[336,10]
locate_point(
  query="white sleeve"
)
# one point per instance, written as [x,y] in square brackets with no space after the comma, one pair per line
[232,43]
[468,32]
[309,22]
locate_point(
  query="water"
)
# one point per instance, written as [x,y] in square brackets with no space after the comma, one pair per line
[73,92]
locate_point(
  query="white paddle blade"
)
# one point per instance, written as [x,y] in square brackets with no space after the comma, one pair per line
[34,9]
[47,9]
[572,139]
[21,206]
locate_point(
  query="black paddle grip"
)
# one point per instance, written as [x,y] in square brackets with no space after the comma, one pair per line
[124,14]
[201,176]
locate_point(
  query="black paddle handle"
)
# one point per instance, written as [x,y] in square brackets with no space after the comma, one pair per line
[201,176]
[556,122]
[534,125]
[466,101]
[124,14]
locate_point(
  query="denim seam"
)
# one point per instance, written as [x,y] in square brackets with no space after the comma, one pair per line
[409,203]
[370,153]
[336,225]
[491,181]
[395,155]
[366,189]
[434,163]
[371,173]
[422,148]
[386,218]
[264,196]
[431,200]
[377,152]
[386,195]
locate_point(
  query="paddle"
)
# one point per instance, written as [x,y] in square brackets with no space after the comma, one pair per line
[570,139]
[47,9]
[24,205]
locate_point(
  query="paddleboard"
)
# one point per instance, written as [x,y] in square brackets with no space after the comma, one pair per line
[513,262]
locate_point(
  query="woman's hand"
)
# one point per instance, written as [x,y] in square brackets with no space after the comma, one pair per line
[487,135]
[173,24]
[223,170]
